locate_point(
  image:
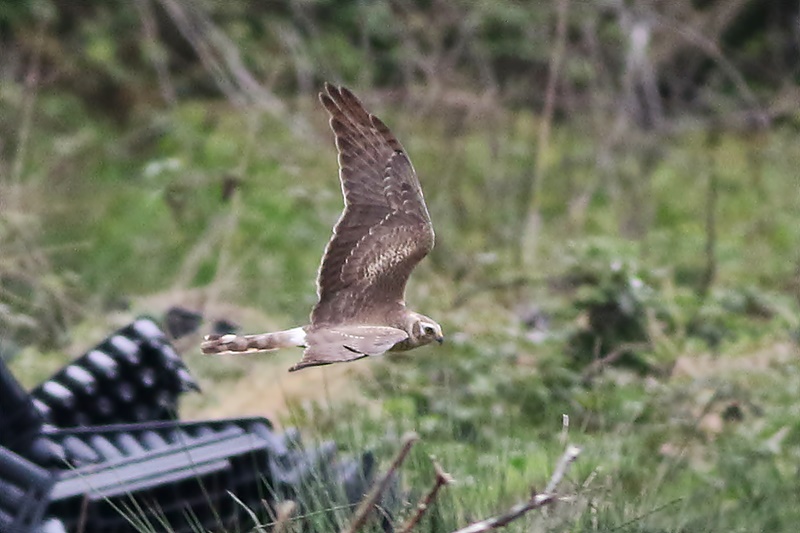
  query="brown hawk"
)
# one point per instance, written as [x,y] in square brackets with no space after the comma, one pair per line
[383,232]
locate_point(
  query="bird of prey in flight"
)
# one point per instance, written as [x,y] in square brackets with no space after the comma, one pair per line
[381,235]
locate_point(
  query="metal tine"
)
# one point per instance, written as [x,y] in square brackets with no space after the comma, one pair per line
[79,451]
[103,364]
[105,447]
[128,350]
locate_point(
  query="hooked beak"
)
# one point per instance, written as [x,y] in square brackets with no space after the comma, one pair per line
[440,339]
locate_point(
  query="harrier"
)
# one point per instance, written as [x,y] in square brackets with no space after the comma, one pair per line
[383,232]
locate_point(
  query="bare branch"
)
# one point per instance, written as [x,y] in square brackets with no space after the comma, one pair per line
[442,479]
[220,56]
[713,51]
[369,501]
[536,501]
[570,454]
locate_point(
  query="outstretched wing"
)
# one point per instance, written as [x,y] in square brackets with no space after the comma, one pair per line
[385,229]
[327,345]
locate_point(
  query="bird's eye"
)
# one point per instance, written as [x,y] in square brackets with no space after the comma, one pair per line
[429,330]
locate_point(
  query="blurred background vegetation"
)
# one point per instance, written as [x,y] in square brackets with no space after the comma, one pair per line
[616,194]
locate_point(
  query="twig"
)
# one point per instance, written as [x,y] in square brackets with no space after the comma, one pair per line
[711,47]
[610,358]
[442,479]
[570,454]
[536,501]
[648,513]
[220,56]
[372,497]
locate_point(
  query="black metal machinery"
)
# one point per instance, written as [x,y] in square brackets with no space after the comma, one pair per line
[99,447]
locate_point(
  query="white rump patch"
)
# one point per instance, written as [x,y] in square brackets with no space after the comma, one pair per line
[296,336]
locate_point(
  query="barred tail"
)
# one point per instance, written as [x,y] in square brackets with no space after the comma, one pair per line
[263,342]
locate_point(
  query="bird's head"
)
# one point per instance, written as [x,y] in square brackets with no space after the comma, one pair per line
[425,330]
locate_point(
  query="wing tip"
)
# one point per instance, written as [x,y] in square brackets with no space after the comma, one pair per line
[342,98]
[329,104]
[332,91]
[347,94]
[329,89]
[306,364]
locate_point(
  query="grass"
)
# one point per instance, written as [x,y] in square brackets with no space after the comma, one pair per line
[697,452]
[700,434]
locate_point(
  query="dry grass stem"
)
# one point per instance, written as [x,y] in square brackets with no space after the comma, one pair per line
[533,222]
[284,510]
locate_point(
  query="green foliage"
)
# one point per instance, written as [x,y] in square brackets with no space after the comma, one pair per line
[240,202]
[120,56]
[619,304]
[145,211]
[672,454]
[731,314]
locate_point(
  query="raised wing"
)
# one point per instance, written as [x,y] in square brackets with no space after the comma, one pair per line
[385,229]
